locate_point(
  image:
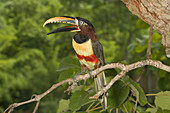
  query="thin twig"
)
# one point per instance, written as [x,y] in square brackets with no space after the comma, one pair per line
[157,94]
[117,77]
[127,68]
[88,109]
[96,105]
[37,98]
[10,107]
[36,107]
[149,43]
[148,53]
[96,108]
[135,106]
[141,74]
[125,108]
[151,105]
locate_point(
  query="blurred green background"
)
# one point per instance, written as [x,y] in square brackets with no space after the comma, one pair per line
[29,58]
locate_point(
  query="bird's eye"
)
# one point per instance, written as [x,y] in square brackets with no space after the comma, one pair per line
[81,22]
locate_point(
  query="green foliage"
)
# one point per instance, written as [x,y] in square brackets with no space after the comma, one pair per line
[157,110]
[68,63]
[78,99]
[118,93]
[162,103]
[127,106]
[63,106]
[162,100]
[138,92]
[29,59]
[68,68]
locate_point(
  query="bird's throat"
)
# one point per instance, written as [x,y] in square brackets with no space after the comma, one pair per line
[81,38]
[84,48]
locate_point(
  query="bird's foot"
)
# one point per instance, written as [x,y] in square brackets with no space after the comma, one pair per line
[75,76]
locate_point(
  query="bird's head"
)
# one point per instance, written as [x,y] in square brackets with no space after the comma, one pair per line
[80,25]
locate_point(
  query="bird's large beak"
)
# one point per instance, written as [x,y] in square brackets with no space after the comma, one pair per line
[64,19]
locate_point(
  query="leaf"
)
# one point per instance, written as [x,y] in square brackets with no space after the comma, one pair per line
[151,110]
[117,94]
[68,63]
[163,100]
[138,92]
[166,111]
[157,110]
[78,99]
[63,106]
[69,66]
[127,105]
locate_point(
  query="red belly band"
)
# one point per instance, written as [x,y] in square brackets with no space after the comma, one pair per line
[92,58]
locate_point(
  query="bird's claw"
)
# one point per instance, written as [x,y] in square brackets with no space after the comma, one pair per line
[75,76]
[75,81]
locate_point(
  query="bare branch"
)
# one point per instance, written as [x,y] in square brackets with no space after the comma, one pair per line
[148,53]
[37,98]
[149,43]
[127,68]
[124,68]
[36,107]
[117,77]
[141,73]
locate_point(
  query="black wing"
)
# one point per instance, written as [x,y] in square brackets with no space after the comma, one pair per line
[98,51]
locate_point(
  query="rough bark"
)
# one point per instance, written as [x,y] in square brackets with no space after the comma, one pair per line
[156,13]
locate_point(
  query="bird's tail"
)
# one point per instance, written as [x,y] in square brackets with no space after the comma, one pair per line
[100,83]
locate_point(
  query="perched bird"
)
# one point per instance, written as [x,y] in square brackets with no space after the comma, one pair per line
[88,49]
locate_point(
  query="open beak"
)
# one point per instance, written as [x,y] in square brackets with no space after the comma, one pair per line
[64,19]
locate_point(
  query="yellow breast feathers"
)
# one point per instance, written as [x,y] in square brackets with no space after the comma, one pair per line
[84,49]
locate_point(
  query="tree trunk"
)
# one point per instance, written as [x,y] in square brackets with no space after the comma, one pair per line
[156,13]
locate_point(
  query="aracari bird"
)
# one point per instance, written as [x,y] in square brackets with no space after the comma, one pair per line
[88,49]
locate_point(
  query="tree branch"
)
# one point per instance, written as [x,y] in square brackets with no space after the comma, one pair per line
[128,68]
[37,98]
[124,69]
[117,77]
[149,43]
[148,53]
[156,13]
